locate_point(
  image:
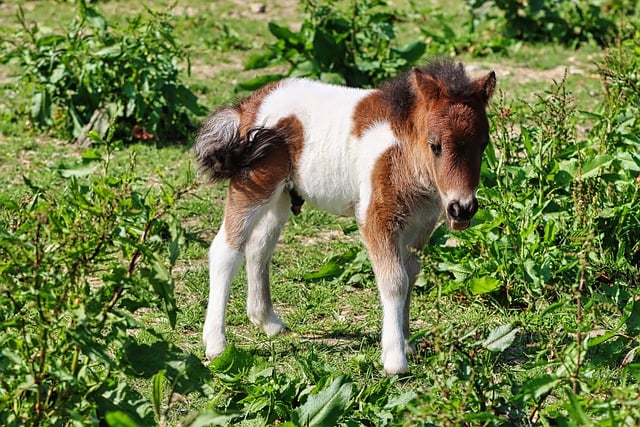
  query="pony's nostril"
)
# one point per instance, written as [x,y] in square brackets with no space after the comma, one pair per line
[454,209]
[474,207]
[459,211]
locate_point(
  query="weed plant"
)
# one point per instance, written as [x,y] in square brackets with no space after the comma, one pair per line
[76,267]
[96,76]
[353,47]
[571,23]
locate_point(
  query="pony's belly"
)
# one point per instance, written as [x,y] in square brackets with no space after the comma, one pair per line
[332,205]
[328,184]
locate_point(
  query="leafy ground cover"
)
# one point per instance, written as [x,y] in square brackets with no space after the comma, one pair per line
[530,317]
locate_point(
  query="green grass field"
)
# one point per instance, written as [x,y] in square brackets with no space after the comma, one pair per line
[531,317]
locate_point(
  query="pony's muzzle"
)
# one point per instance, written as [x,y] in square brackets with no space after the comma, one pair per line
[460,213]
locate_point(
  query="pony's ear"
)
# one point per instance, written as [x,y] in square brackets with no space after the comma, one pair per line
[425,84]
[486,86]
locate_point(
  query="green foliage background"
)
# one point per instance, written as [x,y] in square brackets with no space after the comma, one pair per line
[530,317]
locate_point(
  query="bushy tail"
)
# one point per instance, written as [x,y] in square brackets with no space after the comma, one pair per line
[222,152]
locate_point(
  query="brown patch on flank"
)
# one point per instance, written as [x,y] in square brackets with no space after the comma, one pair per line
[292,127]
[250,106]
[257,185]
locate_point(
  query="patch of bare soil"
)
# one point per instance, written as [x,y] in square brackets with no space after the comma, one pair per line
[520,74]
[266,10]
[284,11]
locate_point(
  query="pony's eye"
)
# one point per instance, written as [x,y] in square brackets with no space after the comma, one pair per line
[436,148]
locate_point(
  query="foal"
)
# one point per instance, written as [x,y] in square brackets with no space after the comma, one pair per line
[399,158]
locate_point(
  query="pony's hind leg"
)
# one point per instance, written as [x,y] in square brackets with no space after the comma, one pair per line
[259,249]
[249,204]
[249,230]
[224,262]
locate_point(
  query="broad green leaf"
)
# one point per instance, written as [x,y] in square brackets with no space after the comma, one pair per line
[569,166]
[331,269]
[58,74]
[325,407]
[114,50]
[501,338]
[334,267]
[412,52]
[594,165]
[483,285]
[163,285]
[119,419]
[258,82]
[261,60]
[538,386]
[283,33]
[304,69]
[609,334]
[401,400]
[79,170]
[334,78]
[77,122]
[41,107]
[209,417]
[232,361]
[95,19]
[91,155]
[554,307]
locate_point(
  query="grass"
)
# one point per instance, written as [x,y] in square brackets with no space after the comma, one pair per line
[335,324]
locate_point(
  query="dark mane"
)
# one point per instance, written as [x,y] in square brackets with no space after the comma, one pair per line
[453,75]
[398,93]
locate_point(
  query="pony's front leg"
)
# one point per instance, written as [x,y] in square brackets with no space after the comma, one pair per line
[413,267]
[393,285]
[224,262]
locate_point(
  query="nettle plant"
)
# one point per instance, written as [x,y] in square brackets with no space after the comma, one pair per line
[75,267]
[570,23]
[96,76]
[353,47]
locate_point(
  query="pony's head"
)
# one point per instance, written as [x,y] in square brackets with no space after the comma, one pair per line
[453,131]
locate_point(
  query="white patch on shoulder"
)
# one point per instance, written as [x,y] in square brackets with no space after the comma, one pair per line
[375,141]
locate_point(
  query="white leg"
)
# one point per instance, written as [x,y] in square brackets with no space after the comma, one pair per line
[259,248]
[224,262]
[412,265]
[393,285]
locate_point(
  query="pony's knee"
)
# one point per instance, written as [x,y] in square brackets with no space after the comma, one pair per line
[393,288]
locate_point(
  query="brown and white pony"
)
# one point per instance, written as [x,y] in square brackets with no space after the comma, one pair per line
[399,158]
